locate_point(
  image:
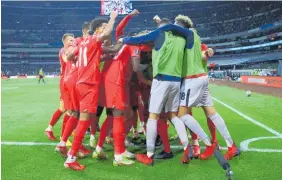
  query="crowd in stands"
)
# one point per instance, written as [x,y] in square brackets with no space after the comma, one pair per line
[46,22]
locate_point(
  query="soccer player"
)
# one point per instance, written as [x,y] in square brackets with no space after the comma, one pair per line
[41,76]
[167,57]
[67,41]
[195,93]
[89,53]
[72,99]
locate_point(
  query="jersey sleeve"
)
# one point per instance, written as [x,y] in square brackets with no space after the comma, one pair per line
[204,47]
[121,26]
[151,37]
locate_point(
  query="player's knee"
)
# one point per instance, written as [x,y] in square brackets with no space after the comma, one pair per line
[99,111]
[75,114]
[209,110]
[154,116]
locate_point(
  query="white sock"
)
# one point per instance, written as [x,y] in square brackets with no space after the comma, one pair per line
[49,128]
[98,149]
[181,131]
[195,142]
[71,159]
[151,136]
[194,126]
[62,143]
[118,157]
[222,128]
[92,136]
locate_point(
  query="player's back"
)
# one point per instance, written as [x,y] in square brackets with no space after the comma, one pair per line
[89,53]
[120,70]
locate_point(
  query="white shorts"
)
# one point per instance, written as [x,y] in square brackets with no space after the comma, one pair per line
[164,96]
[195,92]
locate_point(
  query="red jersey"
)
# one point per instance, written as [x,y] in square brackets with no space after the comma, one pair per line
[62,62]
[89,54]
[119,70]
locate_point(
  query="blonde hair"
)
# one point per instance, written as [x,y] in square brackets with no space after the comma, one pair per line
[67,35]
[185,20]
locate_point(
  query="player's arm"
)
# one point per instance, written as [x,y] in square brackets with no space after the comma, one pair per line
[109,28]
[106,57]
[151,37]
[177,29]
[138,68]
[71,53]
[124,22]
[113,49]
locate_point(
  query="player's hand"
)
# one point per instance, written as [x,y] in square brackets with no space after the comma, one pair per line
[135,12]
[210,52]
[114,15]
[149,82]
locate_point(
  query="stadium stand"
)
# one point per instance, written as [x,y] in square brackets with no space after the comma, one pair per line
[249,33]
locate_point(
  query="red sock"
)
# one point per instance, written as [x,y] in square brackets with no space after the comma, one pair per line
[93,125]
[212,129]
[119,135]
[162,131]
[66,118]
[134,120]
[105,130]
[79,134]
[70,126]
[56,116]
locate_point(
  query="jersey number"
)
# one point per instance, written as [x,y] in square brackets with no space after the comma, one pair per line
[82,57]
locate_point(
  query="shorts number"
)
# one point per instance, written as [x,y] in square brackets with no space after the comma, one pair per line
[182,95]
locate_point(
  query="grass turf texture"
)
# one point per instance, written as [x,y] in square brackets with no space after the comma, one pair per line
[27,108]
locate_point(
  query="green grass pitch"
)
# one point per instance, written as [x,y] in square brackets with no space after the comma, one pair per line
[27,108]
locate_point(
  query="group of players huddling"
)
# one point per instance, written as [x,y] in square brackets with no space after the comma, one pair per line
[168,84]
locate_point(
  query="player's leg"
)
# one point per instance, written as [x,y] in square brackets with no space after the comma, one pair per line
[121,154]
[43,80]
[134,121]
[158,99]
[195,140]
[106,127]
[56,116]
[69,128]
[191,96]
[163,132]
[94,125]
[219,123]
[88,108]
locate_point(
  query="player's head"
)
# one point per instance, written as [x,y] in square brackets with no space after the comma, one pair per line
[97,25]
[164,21]
[68,39]
[184,21]
[85,28]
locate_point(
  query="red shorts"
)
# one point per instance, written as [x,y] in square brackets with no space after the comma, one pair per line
[134,90]
[88,97]
[72,99]
[113,95]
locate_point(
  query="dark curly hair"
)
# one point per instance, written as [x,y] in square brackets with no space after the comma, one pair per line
[96,23]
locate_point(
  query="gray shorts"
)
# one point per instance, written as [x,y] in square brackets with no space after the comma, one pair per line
[164,96]
[195,92]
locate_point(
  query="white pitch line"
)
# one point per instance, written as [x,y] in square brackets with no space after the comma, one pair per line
[250,119]
[244,144]
[172,146]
